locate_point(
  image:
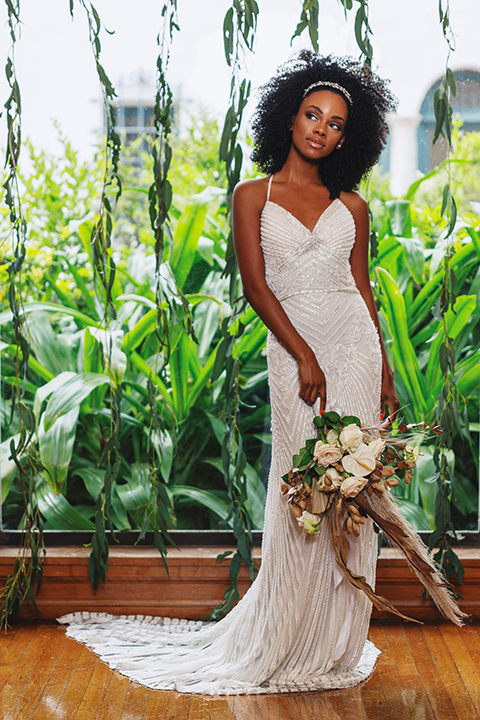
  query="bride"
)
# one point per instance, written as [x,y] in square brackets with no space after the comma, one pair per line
[301,238]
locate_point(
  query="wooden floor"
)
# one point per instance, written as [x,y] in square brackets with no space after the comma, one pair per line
[424,672]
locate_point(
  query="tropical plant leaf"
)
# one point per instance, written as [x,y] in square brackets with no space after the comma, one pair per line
[185,242]
[206,498]
[59,514]
[71,389]
[56,447]
[406,361]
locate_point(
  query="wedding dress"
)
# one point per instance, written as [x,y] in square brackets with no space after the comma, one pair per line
[301,625]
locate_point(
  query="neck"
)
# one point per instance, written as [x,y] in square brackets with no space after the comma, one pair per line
[300,171]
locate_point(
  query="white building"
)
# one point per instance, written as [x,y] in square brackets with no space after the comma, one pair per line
[57,75]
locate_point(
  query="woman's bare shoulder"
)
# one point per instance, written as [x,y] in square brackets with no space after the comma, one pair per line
[252,192]
[355,202]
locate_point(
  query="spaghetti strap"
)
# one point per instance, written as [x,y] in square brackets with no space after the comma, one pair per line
[269,186]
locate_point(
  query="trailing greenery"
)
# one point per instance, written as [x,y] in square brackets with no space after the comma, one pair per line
[26,574]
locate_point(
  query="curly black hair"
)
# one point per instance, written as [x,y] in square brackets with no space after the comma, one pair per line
[366,129]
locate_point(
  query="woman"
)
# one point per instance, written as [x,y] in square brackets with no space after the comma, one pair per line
[301,238]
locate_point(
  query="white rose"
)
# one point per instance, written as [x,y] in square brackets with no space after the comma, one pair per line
[361,462]
[332,437]
[309,522]
[377,446]
[325,454]
[351,486]
[351,437]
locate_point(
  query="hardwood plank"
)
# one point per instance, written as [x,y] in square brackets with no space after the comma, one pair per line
[432,680]
[135,702]
[471,638]
[157,704]
[178,706]
[374,699]
[403,688]
[114,698]
[288,706]
[77,684]
[55,687]
[15,650]
[267,707]
[405,695]
[463,660]
[222,708]
[200,707]
[322,705]
[244,707]
[353,704]
[400,649]
[11,696]
[379,638]
[447,668]
[428,673]
[6,638]
[95,692]
[45,664]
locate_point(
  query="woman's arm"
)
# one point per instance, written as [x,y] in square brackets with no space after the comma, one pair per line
[360,270]
[248,201]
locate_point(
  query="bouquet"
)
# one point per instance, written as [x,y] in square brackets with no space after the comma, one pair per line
[344,475]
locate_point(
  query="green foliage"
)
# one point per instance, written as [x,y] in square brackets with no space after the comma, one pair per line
[409,265]
[69,376]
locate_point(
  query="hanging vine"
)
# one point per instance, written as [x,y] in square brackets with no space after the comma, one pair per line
[239,29]
[308,21]
[451,409]
[104,270]
[160,198]
[363,31]
[26,575]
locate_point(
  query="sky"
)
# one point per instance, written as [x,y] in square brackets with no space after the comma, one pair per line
[57,75]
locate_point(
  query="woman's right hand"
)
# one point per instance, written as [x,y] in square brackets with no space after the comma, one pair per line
[312,381]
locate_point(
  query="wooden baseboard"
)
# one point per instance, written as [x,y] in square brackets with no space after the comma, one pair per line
[137,583]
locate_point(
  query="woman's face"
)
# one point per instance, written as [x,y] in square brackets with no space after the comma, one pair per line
[319,125]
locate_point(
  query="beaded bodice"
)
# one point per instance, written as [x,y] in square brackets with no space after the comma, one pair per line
[300,261]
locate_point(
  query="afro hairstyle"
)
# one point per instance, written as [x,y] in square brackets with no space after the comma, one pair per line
[366,129]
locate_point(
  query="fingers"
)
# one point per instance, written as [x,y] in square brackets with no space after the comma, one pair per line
[323,402]
[310,392]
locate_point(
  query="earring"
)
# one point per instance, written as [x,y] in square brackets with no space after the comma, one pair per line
[339,146]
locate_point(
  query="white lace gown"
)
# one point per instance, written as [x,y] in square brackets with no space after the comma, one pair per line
[301,625]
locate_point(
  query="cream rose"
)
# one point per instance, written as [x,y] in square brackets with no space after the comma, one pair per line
[361,462]
[351,486]
[377,446]
[309,522]
[351,437]
[326,454]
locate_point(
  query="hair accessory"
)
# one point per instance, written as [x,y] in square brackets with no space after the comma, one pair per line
[335,86]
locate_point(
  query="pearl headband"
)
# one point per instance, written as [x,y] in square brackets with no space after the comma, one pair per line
[335,86]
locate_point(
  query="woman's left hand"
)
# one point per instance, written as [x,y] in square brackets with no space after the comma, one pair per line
[389,396]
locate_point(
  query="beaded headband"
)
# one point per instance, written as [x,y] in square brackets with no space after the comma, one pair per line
[335,86]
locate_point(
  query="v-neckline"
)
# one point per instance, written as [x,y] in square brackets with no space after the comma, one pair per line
[290,214]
